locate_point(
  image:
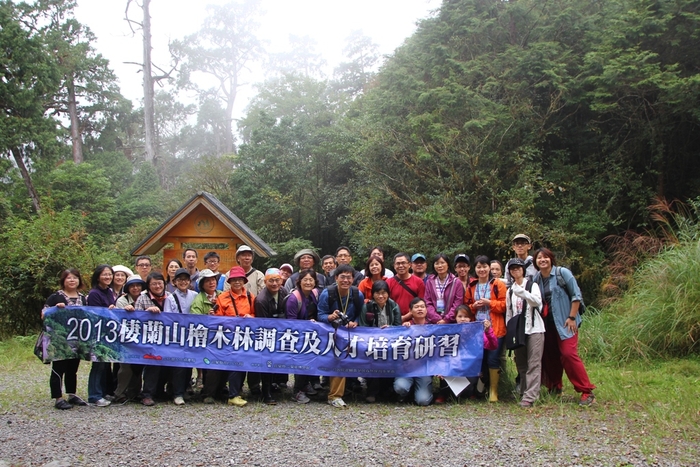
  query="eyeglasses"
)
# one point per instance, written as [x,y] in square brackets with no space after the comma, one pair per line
[143,265]
[344,278]
[212,261]
[343,255]
[401,263]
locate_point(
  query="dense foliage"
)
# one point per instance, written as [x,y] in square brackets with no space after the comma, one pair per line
[563,119]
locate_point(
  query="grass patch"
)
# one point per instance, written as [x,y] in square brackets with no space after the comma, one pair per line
[657,318]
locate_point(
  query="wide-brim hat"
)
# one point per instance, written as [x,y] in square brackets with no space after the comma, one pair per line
[134,279]
[205,274]
[244,249]
[237,272]
[124,269]
[307,251]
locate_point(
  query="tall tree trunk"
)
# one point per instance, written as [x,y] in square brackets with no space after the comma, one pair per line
[18,155]
[233,91]
[148,89]
[74,122]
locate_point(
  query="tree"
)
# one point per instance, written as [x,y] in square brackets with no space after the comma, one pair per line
[88,87]
[224,48]
[30,79]
[302,58]
[294,168]
[149,79]
[354,75]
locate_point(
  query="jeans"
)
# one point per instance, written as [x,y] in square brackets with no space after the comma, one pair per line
[97,380]
[422,388]
[492,358]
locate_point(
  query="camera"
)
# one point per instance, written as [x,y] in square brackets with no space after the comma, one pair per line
[341,320]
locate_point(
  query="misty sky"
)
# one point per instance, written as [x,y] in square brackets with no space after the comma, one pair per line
[387,22]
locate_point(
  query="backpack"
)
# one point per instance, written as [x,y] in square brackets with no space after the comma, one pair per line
[515,327]
[310,312]
[562,283]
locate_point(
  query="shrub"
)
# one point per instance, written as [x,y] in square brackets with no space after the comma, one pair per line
[658,316]
[35,252]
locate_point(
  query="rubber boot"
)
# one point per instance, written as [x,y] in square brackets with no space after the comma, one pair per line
[494,375]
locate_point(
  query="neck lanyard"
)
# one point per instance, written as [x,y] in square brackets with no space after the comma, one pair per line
[441,286]
[347,302]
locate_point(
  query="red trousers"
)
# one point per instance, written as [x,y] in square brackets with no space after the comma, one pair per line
[562,355]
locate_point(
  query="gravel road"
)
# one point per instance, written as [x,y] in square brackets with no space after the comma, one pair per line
[557,433]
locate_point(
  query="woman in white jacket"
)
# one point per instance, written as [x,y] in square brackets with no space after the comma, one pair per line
[528,359]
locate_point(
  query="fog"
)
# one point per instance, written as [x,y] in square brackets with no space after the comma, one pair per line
[387,22]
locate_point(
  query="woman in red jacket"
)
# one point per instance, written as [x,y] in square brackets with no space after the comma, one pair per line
[486,298]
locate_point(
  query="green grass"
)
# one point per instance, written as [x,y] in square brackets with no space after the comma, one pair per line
[658,317]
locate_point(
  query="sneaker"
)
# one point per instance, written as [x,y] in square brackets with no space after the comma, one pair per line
[555,392]
[525,404]
[370,399]
[208,400]
[269,401]
[301,398]
[75,400]
[238,401]
[109,398]
[62,404]
[586,399]
[440,400]
[338,403]
[179,400]
[318,387]
[102,403]
[309,390]
[148,402]
[121,400]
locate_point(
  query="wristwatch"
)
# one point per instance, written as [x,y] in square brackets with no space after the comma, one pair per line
[572,318]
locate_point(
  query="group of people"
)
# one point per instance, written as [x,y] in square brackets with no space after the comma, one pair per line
[547,296]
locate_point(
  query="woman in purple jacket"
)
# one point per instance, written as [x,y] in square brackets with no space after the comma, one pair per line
[443,292]
[100,295]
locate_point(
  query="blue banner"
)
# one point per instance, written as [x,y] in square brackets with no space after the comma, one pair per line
[261,344]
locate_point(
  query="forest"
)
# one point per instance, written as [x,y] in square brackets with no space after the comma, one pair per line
[563,119]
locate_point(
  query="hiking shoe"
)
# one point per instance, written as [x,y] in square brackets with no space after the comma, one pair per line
[121,400]
[75,400]
[586,399]
[338,403]
[318,387]
[148,402]
[269,401]
[102,403]
[62,404]
[238,401]
[179,400]
[209,400]
[301,398]
[309,390]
